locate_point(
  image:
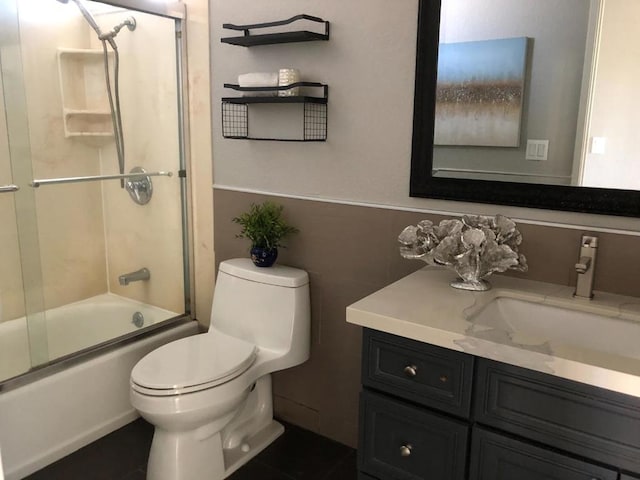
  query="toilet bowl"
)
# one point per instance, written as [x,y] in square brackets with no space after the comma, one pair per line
[209,395]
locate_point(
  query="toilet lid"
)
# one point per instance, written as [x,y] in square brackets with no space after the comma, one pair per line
[192,364]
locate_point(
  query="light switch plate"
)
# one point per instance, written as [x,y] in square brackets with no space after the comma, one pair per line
[599,145]
[537,150]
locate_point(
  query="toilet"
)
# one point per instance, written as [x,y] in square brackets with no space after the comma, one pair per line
[209,395]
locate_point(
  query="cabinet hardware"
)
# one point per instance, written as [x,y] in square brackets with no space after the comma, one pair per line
[405,450]
[411,370]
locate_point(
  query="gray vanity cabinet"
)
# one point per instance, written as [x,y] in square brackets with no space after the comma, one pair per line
[431,413]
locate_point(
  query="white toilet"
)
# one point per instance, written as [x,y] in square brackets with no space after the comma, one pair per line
[209,395]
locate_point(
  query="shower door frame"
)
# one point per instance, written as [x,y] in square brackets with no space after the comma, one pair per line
[177,12]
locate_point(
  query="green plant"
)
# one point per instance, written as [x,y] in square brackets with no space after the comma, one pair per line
[264,226]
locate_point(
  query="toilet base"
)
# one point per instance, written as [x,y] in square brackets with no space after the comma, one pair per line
[216,450]
[252,428]
[192,454]
[235,458]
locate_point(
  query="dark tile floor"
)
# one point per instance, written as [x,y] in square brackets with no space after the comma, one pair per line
[122,455]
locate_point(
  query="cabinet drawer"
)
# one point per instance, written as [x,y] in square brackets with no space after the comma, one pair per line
[400,441]
[495,457]
[419,372]
[578,418]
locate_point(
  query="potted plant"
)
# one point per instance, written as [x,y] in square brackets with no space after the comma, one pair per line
[264,226]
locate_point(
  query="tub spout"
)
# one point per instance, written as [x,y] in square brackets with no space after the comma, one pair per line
[138,275]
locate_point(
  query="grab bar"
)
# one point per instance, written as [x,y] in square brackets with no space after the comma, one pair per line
[9,188]
[54,181]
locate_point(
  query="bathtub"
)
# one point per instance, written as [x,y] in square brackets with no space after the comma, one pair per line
[86,396]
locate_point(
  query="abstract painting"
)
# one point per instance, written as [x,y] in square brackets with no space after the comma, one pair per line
[479,92]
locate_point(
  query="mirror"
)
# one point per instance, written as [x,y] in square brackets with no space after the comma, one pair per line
[527,103]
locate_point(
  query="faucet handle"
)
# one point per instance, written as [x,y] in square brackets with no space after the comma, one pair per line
[583,264]
[589,241]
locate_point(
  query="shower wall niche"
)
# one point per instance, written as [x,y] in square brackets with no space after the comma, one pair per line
[85,106]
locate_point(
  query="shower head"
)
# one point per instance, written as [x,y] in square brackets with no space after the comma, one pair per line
[91,21]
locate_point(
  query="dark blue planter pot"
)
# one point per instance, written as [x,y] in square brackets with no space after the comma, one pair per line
[262,257]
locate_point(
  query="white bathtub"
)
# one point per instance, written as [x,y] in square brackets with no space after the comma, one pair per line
[74,327]
[42,421]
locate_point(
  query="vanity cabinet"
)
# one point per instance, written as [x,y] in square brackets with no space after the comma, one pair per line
[430,412]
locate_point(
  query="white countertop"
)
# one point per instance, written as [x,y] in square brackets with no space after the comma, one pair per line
[423,307]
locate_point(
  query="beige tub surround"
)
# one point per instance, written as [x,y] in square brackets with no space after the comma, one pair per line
[535,325]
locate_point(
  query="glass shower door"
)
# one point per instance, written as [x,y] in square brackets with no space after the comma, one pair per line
[14,345]
[111,249]
[23,337]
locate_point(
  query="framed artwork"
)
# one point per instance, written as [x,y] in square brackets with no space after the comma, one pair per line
[479,93]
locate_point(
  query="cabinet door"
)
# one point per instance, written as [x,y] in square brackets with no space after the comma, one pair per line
[401,441]
[587,421]
[496,457]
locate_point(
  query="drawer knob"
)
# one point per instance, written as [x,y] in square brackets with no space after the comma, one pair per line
[443,378]
[410,370]
[405,450]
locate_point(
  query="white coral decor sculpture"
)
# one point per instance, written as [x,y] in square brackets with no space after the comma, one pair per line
[475,247]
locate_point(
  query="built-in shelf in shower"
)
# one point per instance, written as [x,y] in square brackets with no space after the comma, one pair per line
[85,105]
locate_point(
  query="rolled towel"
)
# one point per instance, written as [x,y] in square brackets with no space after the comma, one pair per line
[267,79]
[287,76]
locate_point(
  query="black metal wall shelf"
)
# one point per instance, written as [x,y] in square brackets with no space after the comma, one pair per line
[278,99]
[249,40]
[235,111]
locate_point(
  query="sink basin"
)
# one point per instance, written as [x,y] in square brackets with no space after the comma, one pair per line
[540,322]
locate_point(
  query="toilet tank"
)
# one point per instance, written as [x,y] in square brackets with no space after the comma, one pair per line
[268,307]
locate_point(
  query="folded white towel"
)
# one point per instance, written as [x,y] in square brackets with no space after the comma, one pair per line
[259,80]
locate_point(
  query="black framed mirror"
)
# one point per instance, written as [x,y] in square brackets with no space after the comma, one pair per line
[428,182]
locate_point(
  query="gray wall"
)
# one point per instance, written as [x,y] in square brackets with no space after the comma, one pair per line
[369,66]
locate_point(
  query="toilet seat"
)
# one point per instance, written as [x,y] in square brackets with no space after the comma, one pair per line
[192,364]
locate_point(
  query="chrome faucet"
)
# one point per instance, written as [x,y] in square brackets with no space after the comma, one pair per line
[586,266]
[127,278]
